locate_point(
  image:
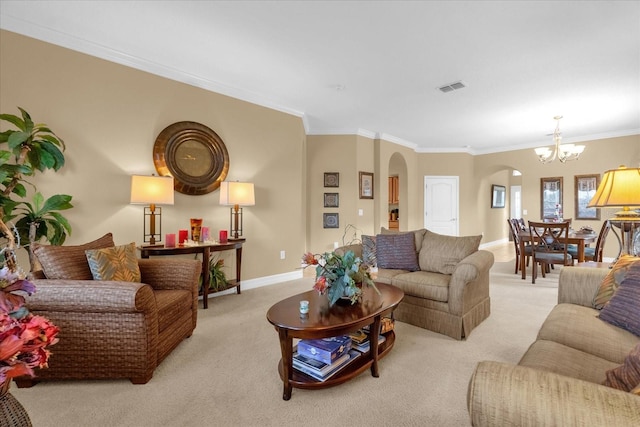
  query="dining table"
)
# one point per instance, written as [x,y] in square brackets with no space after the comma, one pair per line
[578,238]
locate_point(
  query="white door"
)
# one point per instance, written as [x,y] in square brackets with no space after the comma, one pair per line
[441,204]
[516,201]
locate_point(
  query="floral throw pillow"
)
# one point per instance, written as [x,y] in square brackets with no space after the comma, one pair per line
[613,279]
[626,377]
[118,263]
[369,251]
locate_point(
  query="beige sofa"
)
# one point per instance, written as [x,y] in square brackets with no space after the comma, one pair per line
[558,380]
[449,294]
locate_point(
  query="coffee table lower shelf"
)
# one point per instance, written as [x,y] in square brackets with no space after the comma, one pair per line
[351,370]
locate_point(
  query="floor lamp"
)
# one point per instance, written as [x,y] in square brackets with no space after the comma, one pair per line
[236,194]
[621,188]
[152,190]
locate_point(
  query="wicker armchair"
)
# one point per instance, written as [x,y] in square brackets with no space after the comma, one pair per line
[115,329]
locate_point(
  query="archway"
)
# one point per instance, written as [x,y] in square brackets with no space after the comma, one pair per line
[398,192]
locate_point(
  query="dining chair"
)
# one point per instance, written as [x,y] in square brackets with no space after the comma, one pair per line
[549,246]
[514,229]
[595,253]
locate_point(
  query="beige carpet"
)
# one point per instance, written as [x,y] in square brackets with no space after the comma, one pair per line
[226,373]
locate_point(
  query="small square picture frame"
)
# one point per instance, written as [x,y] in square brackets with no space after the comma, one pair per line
[330,220]
[331,200]
[332,179]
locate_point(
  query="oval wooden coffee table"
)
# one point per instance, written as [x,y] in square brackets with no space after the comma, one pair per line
[323,322]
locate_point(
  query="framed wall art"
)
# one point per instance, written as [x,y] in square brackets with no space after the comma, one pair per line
[331,200]
[498,196]
[550,196]
[330,220]
[585,188]
[366,185]
[332,179]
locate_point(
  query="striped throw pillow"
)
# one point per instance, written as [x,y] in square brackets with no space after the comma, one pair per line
[369,251]
[397,252]
[622,310]
[626,377]
[613,279]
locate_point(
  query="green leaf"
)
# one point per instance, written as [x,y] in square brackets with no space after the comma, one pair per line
[56,154]
[62,220]
[5,156]
[59,202]
[15,120]
[17,138]
[38,201]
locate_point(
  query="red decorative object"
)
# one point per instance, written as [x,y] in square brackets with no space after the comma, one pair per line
[183,235]
[223,236]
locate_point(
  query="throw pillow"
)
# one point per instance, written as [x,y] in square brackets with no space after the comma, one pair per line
[626,377]
[117,263]
[68,262]
[369,251]
[612,281]
[397,252]
[417,234]
[441,253]
[622,309]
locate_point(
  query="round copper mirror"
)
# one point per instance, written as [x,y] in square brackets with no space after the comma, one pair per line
[194,155]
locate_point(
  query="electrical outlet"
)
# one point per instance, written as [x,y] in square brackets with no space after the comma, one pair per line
[282,254]
[524,212]
[360,212]
[335,245]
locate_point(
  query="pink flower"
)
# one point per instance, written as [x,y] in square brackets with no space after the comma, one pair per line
[321,285]
[309,259]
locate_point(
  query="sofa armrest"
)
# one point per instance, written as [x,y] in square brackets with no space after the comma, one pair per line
[469,282]
[93,296]
[170,273]
[504,394]
[578,285]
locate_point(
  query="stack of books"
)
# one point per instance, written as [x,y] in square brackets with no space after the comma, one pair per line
[322,358]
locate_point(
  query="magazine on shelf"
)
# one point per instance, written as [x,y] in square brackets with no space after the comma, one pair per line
[366,345]
[326,350]
[386,325]
[308,364]
[335,367]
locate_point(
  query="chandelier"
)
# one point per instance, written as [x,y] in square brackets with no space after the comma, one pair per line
[563,152]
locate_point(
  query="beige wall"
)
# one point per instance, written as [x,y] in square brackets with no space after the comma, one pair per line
[109,116]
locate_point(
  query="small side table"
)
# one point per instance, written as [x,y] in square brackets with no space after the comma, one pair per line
[205,250]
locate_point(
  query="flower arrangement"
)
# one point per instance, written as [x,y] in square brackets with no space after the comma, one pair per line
[23,336]
[339,275]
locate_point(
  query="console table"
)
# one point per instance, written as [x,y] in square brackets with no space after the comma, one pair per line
[205,250]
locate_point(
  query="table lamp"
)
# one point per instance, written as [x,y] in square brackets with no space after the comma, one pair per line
[236,194]
[152,190]
[620,188]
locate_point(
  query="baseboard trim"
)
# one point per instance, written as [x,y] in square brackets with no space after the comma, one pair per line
[260,282]
[494,243]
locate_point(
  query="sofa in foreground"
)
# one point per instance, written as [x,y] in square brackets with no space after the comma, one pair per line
[445,279]
[122,327]
[560,379]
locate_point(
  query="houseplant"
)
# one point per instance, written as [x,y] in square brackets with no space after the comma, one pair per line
[32,147]
[217,277]
[339,276]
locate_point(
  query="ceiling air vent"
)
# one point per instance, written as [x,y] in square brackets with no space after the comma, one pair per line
[451,87]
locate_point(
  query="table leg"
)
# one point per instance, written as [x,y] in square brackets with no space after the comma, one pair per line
[286,348]
[238,267]
[205,277]
[374,334]
[522,260]
[581,251]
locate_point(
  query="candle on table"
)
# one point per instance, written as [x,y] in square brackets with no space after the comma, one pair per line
[170,240]
[223,236]
[182,236]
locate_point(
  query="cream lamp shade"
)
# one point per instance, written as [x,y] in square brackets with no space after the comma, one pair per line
[152,190]
[237,193]
[619,188]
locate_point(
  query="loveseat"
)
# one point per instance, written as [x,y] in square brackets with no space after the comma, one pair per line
[114,328]
[445,279]
[559,380]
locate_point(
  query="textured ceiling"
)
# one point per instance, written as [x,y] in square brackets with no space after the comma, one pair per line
[374,67]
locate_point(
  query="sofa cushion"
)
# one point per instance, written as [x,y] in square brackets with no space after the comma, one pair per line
[557,358]
[578,327]
[441,254]
[369,257]
[397,251]
[69,262]
[417,234]
[623,309]
[118,263]
[626,377]
[424,284]
[612,281]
